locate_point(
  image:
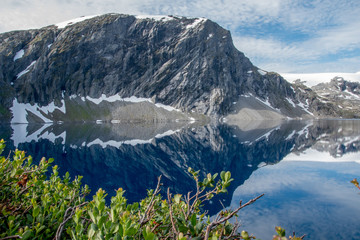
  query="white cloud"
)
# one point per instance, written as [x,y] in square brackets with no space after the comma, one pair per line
[332,26]
[346,37]
[272,54]
[269,49]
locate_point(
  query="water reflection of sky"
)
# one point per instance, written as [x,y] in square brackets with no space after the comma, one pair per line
[313,198]
[303,167]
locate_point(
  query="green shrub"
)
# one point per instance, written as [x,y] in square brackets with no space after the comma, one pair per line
[34,207]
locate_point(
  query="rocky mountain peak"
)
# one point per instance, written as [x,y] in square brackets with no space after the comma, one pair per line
[189,64]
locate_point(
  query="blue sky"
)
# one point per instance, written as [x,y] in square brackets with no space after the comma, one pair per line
[286,36]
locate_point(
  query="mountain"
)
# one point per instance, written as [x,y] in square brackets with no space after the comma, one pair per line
[122,68]
[342,97]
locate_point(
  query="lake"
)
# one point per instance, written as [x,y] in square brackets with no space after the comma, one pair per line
[303,167]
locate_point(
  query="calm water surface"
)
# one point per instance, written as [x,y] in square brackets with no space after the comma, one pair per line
[303,167]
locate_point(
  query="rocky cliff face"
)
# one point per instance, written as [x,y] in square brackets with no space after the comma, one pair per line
[189,64]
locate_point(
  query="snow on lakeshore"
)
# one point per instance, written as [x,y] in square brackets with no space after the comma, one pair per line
[20,111]
[73,21]
[132,99]
[20,134]
[132,142]
[312,79]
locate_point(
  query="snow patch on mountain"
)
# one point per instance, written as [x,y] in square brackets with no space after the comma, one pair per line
[161,18]
[26,70]
[73,21]
[19,54]
[196,22]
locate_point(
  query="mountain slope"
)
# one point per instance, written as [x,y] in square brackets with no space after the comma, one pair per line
[188,64]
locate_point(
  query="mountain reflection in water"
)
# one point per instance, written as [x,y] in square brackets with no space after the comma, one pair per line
[132,156]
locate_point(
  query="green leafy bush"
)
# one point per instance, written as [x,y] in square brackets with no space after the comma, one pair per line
[34,207]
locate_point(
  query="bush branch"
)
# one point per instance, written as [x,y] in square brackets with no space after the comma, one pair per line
[219,220]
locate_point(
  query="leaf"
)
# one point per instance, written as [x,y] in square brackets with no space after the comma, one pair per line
[113,214]
[79,228]
[121,230]
[40,229]
[101,206]
[199,227]
[193,220]
[177,198]
[227,176]
[117,236]
[91,214]
[29,218]
[182,228]
[214,237]
[150,236]
[131,231]
[222,175]
[101,221]
[214,176]
[50,160]
[36,211]
[93,228]
[26,234]
[280,231]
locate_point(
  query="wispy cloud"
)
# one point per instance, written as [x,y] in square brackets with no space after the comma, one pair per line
[280,34]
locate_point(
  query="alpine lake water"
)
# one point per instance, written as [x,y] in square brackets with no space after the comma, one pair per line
[303,167]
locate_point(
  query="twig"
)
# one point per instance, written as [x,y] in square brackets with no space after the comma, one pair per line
[222,204]
[66,219]
[17,209]
[236,226]
[9,155]
[26,210]
[155,227]
[221,220]
[10,237]
[303,236]
[170,211]
[146,217]
[30,171]
[24,190]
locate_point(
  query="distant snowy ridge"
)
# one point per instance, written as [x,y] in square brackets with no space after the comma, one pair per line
[312,79]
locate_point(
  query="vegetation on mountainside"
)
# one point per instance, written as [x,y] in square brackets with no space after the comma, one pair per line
[34,206]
